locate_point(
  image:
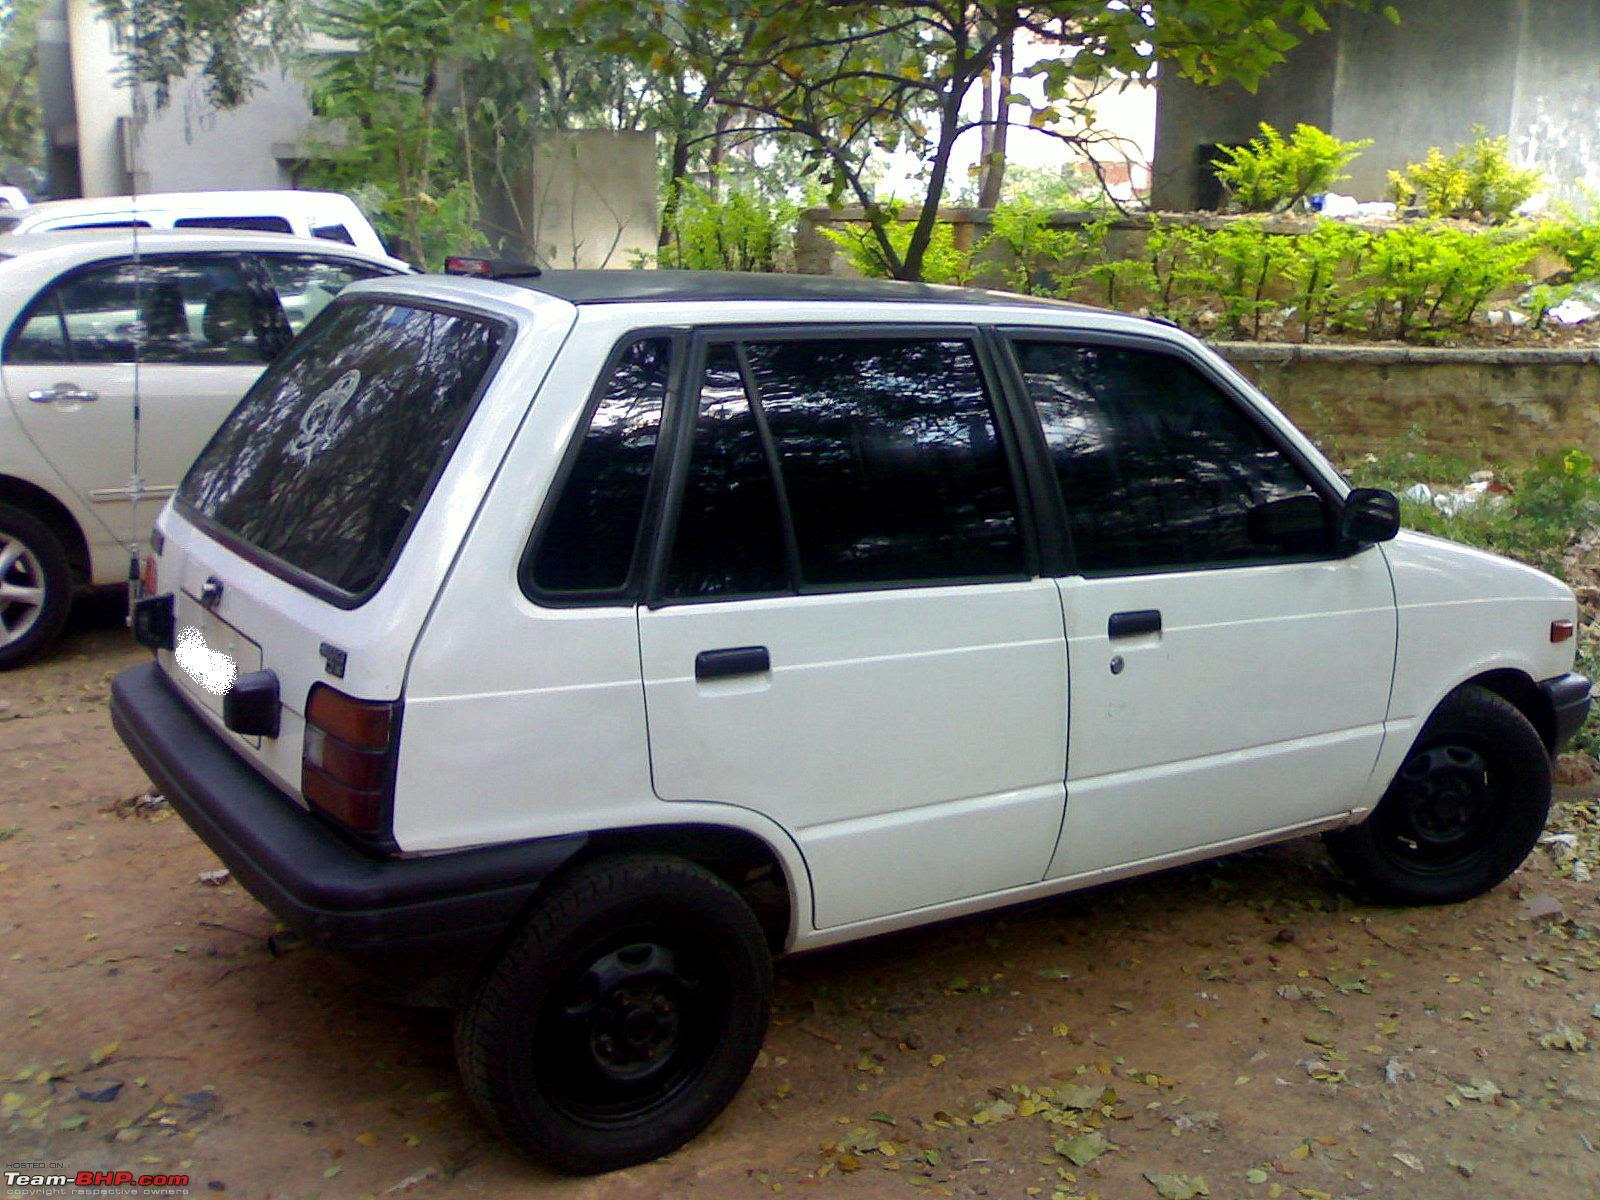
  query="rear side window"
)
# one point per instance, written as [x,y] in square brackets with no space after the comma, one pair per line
[587,546]
[333,233]
[729,539]
[328,458]
[891,460]
[305,283]
[261,224]
[1158,468]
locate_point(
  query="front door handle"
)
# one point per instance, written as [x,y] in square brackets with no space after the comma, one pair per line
[735,660]
[69,393]
[1133,623]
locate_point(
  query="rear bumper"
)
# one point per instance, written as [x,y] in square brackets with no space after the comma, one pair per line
[1568,696]
[426,926]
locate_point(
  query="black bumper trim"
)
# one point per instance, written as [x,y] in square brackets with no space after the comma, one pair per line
[400,916]
[1568,696]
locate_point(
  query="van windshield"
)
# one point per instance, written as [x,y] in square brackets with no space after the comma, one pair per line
[331,454]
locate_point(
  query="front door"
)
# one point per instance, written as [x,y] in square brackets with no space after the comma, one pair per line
[1230,666]
[201,335]
[847,634]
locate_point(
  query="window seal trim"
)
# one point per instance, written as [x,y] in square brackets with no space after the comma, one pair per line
[1010,334]
[628,592]
[299,577]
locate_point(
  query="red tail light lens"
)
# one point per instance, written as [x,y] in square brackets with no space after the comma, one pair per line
[148,576]
[345,766]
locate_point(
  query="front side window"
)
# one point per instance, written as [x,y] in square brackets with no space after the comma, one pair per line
[588,543]
[1159,469]
[891,460]
[335,449]
[197,310]
[305,283]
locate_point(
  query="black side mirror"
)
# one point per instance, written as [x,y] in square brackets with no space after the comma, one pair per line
[1369,515]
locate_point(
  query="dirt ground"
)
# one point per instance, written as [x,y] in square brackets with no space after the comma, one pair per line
[1244,1026]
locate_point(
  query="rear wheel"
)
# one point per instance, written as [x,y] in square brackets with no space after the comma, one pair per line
[1464,810]
[623,1017]
[35,586]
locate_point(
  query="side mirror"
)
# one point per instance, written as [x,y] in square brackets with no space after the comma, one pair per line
[1369,515]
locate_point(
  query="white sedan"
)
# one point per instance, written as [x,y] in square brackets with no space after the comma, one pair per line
[95,323]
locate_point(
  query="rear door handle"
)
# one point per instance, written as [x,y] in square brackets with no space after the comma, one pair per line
[1134,622]
[63,392]
[735,660]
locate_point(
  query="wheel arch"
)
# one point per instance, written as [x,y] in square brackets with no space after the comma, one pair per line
[1518,689]
[32,498]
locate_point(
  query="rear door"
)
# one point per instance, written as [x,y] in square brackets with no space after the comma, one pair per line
[847,632]
[185,334]
[1230,667]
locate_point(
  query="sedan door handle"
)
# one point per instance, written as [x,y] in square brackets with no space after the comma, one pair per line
[735,660]
[68,392]
[1134,622]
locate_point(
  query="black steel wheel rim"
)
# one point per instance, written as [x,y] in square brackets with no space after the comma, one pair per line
[630,1028]
[1443,810]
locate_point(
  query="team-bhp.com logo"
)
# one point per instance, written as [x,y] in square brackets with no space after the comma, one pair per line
[32,1182]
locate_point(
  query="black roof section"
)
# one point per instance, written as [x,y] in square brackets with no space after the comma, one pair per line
[643,286]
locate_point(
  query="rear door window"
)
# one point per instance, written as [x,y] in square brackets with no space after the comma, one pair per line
[328,459]
[305,282]
[260,224]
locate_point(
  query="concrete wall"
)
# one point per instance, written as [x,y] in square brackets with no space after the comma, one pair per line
[101,104]
[587,198]
[188,146]
[1509,405]
[1529,69]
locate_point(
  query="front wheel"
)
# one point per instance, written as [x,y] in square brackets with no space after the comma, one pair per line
[1465,809]
[623,1017]
[35,586]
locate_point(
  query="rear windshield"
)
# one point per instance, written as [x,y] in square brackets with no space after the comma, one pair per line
[328,457]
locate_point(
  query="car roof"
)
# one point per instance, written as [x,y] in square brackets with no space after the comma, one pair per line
[632,287]
[90,242]
[224,200]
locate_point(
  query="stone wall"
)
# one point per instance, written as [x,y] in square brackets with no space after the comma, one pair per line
[1499,404]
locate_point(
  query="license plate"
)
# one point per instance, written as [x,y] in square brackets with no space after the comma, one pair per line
[209,654]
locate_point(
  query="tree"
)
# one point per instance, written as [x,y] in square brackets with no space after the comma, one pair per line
[20,134]
[228,39]
[850,78]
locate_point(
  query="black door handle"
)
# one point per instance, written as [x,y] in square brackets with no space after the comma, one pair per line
[1131,624]
[736,660]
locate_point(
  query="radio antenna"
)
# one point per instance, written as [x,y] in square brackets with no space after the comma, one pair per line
[133,144]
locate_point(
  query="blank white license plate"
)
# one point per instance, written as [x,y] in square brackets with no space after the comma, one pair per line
[210,654]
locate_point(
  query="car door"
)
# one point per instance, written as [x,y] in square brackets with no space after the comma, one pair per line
[1230,664]
[184,334]
[847,633]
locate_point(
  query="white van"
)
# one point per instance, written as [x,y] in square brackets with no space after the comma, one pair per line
[561,645]
[330,216]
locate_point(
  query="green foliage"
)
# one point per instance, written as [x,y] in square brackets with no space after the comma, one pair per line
[1039,256]
[21,136]
[1423,280]
[1271,173]
[1577,240]
[1318,266]
[1064,189]
[943,262]
[1478,180]
[734,229]
[230,40]
[1541,298]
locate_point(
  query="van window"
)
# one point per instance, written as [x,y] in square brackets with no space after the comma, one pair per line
[729,539]
[587,546]
[122,224]
[260,224]
[1158,468]
[891,460]
[328,458]
[333,233]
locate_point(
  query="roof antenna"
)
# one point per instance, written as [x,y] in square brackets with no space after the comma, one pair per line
[132,145]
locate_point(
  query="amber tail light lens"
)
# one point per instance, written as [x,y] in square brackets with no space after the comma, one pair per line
[1561,631]
[349,749]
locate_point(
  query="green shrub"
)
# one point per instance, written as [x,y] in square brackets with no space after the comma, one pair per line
[1037,256]
[1271,173]
[1576,240]
[1318,267]
[944,262]
[1478,180]
[1420,281]
[733,229]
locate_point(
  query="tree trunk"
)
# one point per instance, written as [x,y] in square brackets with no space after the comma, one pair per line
[994,160]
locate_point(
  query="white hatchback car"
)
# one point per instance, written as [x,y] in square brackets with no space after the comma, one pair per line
[558,646]
[92,322]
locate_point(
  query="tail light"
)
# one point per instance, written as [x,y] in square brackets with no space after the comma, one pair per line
[1561,631]
[148,576]
[346,768]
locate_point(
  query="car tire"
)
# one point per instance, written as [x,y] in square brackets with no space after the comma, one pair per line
[1464,810]
[622,1018]
[35,586]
